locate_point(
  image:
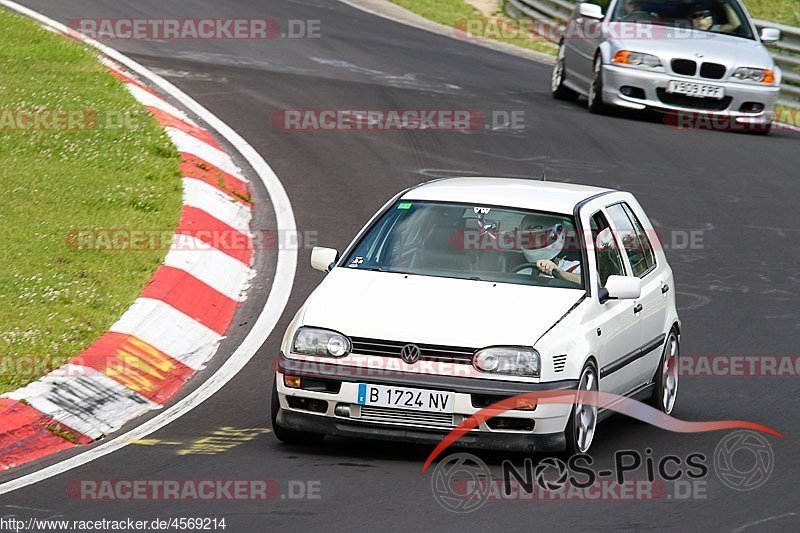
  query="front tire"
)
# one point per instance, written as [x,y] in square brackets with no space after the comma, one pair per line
[595,96]
[583,418]
[764,130]
[665,392]
[290,436]
[557,87]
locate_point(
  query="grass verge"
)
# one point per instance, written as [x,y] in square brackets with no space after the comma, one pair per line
[456,13]
[77,152]
[782,11]
[788,115]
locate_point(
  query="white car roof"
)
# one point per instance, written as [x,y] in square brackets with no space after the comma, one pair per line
[551,196]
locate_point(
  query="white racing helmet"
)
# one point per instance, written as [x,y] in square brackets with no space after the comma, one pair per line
[541,237]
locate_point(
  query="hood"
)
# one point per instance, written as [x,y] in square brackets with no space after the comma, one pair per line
[430,310]
[669,42]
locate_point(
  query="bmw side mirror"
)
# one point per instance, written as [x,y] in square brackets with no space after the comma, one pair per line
[621,288]
[323,259]
[770,35]
[592,11]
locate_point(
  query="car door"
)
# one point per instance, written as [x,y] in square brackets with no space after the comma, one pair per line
[617,324]
[652,304]
[582,38]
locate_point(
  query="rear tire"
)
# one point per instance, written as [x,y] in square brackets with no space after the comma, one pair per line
[595,97]
[557,87]
[583,418]
[290,436]
[665,391]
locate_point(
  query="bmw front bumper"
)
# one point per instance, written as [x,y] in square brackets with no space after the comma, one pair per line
[649,92]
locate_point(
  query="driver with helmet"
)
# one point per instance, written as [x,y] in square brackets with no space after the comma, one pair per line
[543,241]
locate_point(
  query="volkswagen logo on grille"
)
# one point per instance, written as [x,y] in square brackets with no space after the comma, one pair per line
[410,353]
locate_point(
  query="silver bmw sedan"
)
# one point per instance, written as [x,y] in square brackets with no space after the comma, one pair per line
[679,56]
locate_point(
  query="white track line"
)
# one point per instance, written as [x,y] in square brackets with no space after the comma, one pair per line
[278,296]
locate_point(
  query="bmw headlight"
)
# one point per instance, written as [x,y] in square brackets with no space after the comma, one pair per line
[324,342]
[757,75]
[508,360]
[638,60]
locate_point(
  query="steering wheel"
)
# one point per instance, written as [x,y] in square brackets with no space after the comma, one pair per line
[535,272]
[641,15]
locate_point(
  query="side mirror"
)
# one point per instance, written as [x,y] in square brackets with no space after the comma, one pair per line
[323,258]
[621,288]
[592,11]
[770,35]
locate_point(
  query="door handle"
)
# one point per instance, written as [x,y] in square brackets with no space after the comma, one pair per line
[637,309]
[664,289]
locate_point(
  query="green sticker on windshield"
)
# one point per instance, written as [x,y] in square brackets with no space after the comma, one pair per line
[404,205]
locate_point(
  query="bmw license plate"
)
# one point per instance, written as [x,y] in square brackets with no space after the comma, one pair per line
[402,398]
[698,90]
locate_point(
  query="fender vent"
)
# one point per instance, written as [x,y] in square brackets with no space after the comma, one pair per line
[559,362]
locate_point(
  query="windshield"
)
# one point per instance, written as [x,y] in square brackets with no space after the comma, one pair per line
[714,16]
[472,242]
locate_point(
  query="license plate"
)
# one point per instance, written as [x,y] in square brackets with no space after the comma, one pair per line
[403,398]
[696,89]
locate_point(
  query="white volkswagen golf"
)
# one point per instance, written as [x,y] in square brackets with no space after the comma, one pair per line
[462,292]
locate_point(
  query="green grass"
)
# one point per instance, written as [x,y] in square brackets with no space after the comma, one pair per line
[455,13]
[782,11]
[55,301]
[788,115]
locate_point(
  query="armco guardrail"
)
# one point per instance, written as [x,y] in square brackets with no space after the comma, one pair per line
[786,52]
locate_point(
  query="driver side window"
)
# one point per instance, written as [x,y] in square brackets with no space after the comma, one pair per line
[607,253]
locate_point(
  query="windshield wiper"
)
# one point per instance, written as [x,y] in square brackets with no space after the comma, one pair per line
[384,269]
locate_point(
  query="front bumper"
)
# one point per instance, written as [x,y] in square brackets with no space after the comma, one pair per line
[524,443]
[654,85]
[544,434]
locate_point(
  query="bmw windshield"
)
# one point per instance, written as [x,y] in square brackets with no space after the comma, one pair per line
[471,242]
[714,16]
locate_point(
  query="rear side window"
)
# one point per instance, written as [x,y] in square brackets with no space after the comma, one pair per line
[638,247]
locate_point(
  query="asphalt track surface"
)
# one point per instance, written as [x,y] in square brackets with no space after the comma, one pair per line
[738,292]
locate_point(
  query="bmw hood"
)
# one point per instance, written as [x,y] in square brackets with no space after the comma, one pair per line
[431,310]
[669,42]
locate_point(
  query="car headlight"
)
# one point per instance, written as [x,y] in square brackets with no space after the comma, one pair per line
[324,342]
[638,60]
[508,360]
[757,75]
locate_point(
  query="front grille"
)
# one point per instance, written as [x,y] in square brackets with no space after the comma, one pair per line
[713,71]
[428,352]
[684,67]
[692,102]
[405,417]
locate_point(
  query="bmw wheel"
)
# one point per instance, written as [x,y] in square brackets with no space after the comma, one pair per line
[557,87]
[595,96]
[583,419]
